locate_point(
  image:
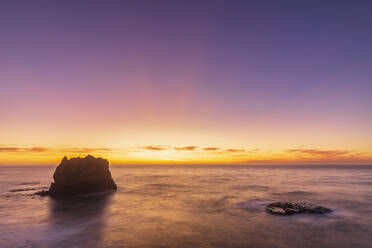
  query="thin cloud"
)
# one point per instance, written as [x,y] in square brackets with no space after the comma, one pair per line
[186,148]
[211,149]
[235,150]
[9,149]
[156,148]
[86,150]
[318,152]
[309,161]
[39,149]
[23,149]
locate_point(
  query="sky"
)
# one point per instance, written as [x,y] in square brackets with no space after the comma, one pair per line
[194,82]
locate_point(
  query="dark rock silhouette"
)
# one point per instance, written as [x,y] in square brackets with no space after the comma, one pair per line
[287,208]
[77,176]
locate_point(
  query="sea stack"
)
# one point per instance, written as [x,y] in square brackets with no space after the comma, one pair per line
[78,176]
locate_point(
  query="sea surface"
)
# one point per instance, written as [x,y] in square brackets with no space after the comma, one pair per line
[191,206]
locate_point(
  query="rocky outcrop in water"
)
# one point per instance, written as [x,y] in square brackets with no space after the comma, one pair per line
[77,176]
[287,208]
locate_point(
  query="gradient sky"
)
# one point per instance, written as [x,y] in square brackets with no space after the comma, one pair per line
[186,81]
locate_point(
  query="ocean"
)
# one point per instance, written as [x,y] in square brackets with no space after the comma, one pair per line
[190,206]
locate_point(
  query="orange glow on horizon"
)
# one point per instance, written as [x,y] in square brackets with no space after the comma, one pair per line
[182,155]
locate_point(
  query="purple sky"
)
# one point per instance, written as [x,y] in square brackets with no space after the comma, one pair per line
[258,68]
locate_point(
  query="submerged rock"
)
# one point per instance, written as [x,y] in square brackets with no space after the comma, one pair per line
[78,176]
[287,208]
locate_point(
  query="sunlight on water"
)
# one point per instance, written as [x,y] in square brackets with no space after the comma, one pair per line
[190,206]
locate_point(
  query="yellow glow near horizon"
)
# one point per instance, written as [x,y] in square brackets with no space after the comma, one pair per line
[182,155]
[127,145]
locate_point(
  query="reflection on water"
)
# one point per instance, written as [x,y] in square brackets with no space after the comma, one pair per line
[77,221]
[190,206]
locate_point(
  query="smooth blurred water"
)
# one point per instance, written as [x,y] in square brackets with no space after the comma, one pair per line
[190,206]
